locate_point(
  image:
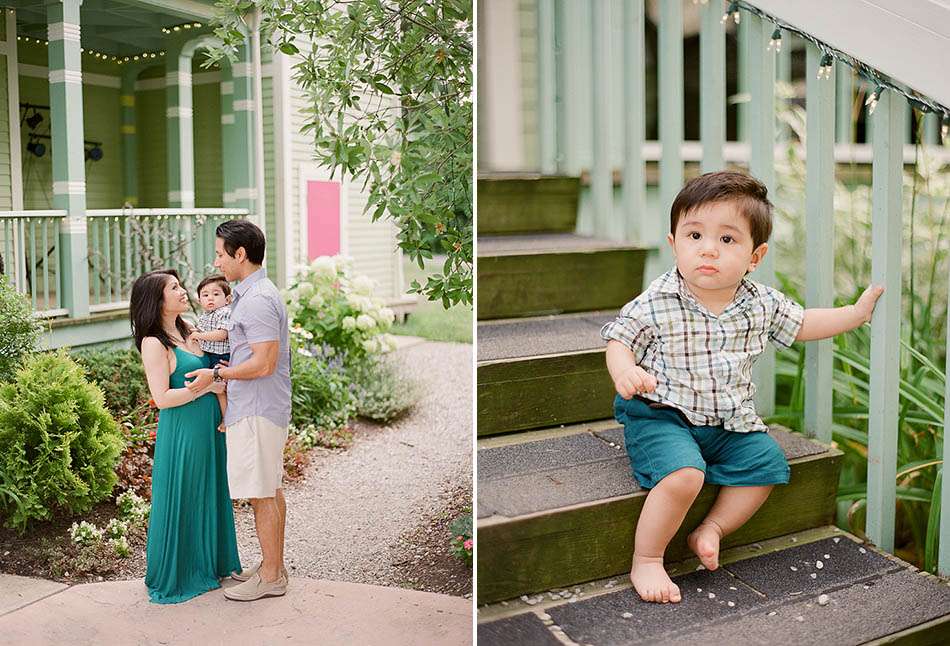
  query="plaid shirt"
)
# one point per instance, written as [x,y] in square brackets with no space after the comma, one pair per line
[219,319]
[702,362]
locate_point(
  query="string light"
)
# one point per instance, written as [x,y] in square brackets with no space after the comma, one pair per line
[832,55]
[871,103]
[733,11]
[776,41]
[825,66]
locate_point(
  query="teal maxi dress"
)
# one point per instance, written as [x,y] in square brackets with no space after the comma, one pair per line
[191,539]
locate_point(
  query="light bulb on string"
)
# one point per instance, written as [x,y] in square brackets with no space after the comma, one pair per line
[871,103]
[733,11]
[825,66]
[776,41]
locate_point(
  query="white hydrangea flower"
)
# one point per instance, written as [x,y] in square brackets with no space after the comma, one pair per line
[370,345]
[349,323]
[365,322]
[363,285]
[385,316]
[354,301]
[305,352]
[305,290]
[324,266]
[316,301]
[343,263]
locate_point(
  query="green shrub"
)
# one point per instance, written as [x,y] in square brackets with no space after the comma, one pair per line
[320,394]
[58,443]
[382,393]
[119,374]
[19,330]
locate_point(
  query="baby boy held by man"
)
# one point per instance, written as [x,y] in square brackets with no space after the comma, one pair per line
[681,355]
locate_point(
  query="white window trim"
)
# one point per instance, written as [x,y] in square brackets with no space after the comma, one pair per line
[314,172]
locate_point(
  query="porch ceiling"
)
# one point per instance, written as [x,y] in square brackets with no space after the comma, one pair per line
[116,27]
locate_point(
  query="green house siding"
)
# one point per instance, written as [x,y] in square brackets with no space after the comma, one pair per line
[150,130]
[6,191]
[209,181]
[270,178]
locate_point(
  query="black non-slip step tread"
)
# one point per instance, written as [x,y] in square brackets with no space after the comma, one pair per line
[773,601]
[558,472]
[540,336]
[535,243]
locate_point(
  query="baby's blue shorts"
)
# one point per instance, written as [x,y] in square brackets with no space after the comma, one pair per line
[660,440]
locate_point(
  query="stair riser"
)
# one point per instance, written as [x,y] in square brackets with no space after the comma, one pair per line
[551,283]
[538,392]
[592,541]
[527,205]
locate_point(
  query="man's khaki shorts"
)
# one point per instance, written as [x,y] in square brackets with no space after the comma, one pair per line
[255,457]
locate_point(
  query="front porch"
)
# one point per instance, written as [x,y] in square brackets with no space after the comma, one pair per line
[161,152]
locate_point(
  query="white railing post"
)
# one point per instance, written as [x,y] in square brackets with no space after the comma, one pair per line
[712,93]
[547,93]
[887,177]
[602,185]
[633,118]
[760,67]
[819,240]
[670,73]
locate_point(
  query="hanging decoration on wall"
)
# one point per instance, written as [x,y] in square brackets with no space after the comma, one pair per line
[831,55]
[38,149]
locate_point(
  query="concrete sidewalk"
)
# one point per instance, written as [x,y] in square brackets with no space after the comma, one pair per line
[314,611]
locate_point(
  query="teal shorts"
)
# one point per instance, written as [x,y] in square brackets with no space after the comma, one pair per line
[660,440]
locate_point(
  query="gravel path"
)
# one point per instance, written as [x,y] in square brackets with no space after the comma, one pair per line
[344,519]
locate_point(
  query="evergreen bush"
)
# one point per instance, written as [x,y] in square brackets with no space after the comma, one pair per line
[58,443]
[18,328]
[119,374]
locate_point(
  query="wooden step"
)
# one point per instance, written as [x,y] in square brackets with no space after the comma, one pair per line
[526,203]
[559,507]
[767,593]
[521,362]
[554,273]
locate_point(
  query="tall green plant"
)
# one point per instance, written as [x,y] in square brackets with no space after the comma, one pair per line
[923,352]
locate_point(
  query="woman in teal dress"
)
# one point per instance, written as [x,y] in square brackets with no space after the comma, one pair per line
[191,538]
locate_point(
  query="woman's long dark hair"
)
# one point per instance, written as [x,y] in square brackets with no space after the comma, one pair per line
[145,308]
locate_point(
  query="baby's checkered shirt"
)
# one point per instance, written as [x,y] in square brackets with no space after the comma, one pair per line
[703,362]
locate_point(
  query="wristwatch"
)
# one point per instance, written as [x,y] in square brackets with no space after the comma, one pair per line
[216,374]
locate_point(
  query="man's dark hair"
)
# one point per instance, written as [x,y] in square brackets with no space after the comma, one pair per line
[217,278]
[242,233]
[748,194]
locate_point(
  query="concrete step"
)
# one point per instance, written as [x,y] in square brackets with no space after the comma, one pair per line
[521,362]
[554,273]
[559,507]
[526,203]
[767,593]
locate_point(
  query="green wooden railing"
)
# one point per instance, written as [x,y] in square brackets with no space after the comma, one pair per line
[29,242]
[577,53]
[122,244]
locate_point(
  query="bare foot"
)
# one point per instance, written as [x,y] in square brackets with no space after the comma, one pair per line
[704,541]
[651,581]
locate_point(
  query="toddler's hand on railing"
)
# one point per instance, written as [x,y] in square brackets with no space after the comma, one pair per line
[635,381]
[864,307]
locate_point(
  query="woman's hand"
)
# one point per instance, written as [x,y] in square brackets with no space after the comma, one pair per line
[217,387]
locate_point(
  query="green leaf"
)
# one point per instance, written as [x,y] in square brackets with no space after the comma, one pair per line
[289,48]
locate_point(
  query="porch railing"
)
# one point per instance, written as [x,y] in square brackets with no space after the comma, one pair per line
[576,46]
[122,244]
[29,241]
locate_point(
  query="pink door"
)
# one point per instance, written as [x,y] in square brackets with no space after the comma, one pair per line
[323,218]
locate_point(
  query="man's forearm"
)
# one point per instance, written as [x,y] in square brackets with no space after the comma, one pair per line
[256,366]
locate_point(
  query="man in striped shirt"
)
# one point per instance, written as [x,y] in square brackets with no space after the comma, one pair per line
[681,356]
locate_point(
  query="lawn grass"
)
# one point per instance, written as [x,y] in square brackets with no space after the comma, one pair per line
[429,319]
